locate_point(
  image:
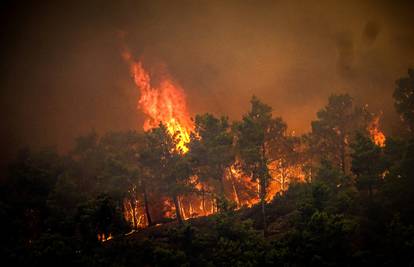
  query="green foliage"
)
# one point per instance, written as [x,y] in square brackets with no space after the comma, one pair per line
[404,99]
[368,163]
[165,162]
[331,175]
[254,135]
[32,176]
[399,242]
[51,249]
[211,148]
[334,129]
[324,240]
[100,216]
[238,245]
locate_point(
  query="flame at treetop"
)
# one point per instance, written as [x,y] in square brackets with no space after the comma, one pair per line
[164,103]
[376,134]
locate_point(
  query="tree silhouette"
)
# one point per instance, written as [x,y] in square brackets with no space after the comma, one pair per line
[404,99]
[254,134]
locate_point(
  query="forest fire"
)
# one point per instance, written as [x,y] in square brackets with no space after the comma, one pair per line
[376,134]
[207,133]
[165,102]
[103,237]
[162,103]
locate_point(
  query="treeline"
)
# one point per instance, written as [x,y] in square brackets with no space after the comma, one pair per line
[351,205]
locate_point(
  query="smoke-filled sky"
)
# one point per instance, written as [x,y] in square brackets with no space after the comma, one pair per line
[62,74]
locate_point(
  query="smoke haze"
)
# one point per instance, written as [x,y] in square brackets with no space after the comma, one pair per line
[62,74]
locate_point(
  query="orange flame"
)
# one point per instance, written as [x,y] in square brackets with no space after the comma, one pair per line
[377,136]
[277,183]
[134,213]
[164,103]
[102,237]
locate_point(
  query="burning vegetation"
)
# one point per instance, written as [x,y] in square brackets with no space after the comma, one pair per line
[227,162]
[162,103]
[376,134]
[292,176]
[165,104]
[211,192]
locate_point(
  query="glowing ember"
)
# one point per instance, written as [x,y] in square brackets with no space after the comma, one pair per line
[134,213]
[102,237]
[282,176]
[164,102]
[376,134]
[248,193]
[245,190]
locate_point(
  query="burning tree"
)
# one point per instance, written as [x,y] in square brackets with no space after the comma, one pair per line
[254,135]
[211,149]
[335,128]
[123,164]
[168,165]
[286,163]
[404,99]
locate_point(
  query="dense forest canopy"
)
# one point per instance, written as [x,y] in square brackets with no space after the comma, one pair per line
[241,192]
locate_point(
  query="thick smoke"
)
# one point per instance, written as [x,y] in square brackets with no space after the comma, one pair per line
[62,74]
[345,47]
[371,32]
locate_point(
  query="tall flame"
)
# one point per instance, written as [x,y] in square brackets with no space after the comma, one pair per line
[165,102]
[376,134]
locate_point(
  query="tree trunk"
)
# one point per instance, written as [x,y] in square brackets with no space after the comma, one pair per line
[234,189]
[147,213]
[182,209]
[222,193]
[263,186]
[221,196]
[343,155]
[203,200]
[311,168]
[132,204]
[263,202]
[177,209]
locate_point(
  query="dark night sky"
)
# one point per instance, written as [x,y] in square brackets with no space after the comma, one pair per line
[62,74]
